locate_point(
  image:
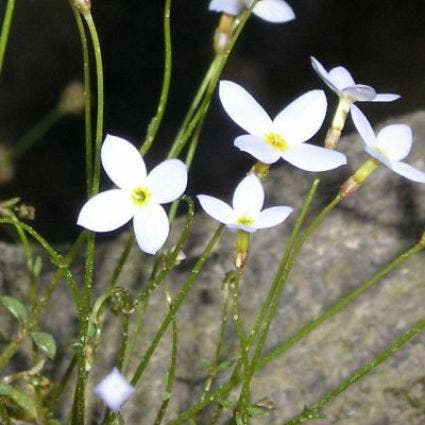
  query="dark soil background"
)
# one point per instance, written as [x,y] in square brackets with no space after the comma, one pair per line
[380,41]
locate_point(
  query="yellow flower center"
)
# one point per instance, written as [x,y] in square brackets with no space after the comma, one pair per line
[276,141]
[245,221]
[140,196]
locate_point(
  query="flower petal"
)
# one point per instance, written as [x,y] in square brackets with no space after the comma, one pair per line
[408,171]
[106,211]
[386,97]
[167,181]
[122,162]
[272,216]
[323,74]
[341,77]
[151,227]
[363,126]
[313,158]
[395,141]
[360,93]
[244,109]
[232,7]
[302,118]
[248,198]
[275,11]
[217,209]
[375,154]
[258,148]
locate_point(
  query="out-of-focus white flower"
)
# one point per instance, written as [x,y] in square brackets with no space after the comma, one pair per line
[246,213]
[114,390]
[139,195]
[276,11]
[392,144]
[342,83]
[284,137]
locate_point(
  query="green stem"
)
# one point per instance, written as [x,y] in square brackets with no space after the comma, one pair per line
[124,340]
[314,410]
[4,36]
[36,133]
[121,261]
[175,305]
[156,121]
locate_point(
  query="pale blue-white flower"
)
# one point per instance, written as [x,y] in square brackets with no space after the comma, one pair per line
[114,390]
[246,211]
[275,11]
[392,144]
[284,137]
[342,83]
[139,195]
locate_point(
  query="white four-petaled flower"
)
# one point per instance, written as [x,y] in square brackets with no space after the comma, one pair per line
[284,137]
[276,11]
[392,144]
[246,213]
[139,195]
[342,83]
[114,390]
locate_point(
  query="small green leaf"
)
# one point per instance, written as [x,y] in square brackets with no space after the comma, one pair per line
[256,412]
[165,396]
[37,266]
[45,342]
[15,307]
[21,399]
[224,365]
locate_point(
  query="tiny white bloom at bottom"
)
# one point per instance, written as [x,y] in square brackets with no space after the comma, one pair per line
[114,390]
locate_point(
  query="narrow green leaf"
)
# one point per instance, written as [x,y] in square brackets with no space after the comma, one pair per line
[37,266]
[14,307]
[21,399]
[46,343]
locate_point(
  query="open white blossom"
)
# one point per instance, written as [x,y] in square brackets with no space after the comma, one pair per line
[276,11]
[342,83]
[392,144]
[284,137]
[114,390]
[246,213]
[139,195]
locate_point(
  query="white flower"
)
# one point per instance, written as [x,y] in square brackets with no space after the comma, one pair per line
[276,11]
[246,213]
[138,196]
[114,390]
[284,137]
[342,83]
[392,144]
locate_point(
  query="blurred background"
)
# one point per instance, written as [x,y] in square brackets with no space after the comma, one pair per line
[380,41]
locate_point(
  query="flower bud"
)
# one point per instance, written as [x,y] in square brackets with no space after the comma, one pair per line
[83,6]
[72,99]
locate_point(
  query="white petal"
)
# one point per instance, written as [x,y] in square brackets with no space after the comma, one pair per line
[217,209]
[258,148]
[244,109]
[248,198]
[232,7]
[374,153]
[408,171]
[246,228]
[272,216]
[275,11]
[323,74]
[114,390]
[106,211]
[395,141]
[167,181]
[302,118]
[313,158]
[360,93]
[386,97]
[151,227]
[363,126]
[122,162]
[341,77]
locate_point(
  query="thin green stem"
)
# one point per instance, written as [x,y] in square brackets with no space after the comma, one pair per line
[314,410]
[175,305]
[36,133]
[156,121]
[125,319]
[121,261]
[5,30]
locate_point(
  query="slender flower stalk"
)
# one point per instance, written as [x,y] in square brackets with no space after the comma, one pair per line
[5,30]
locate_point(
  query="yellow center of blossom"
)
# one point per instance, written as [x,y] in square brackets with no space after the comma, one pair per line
[276,141]
[245,221]
[140,196]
